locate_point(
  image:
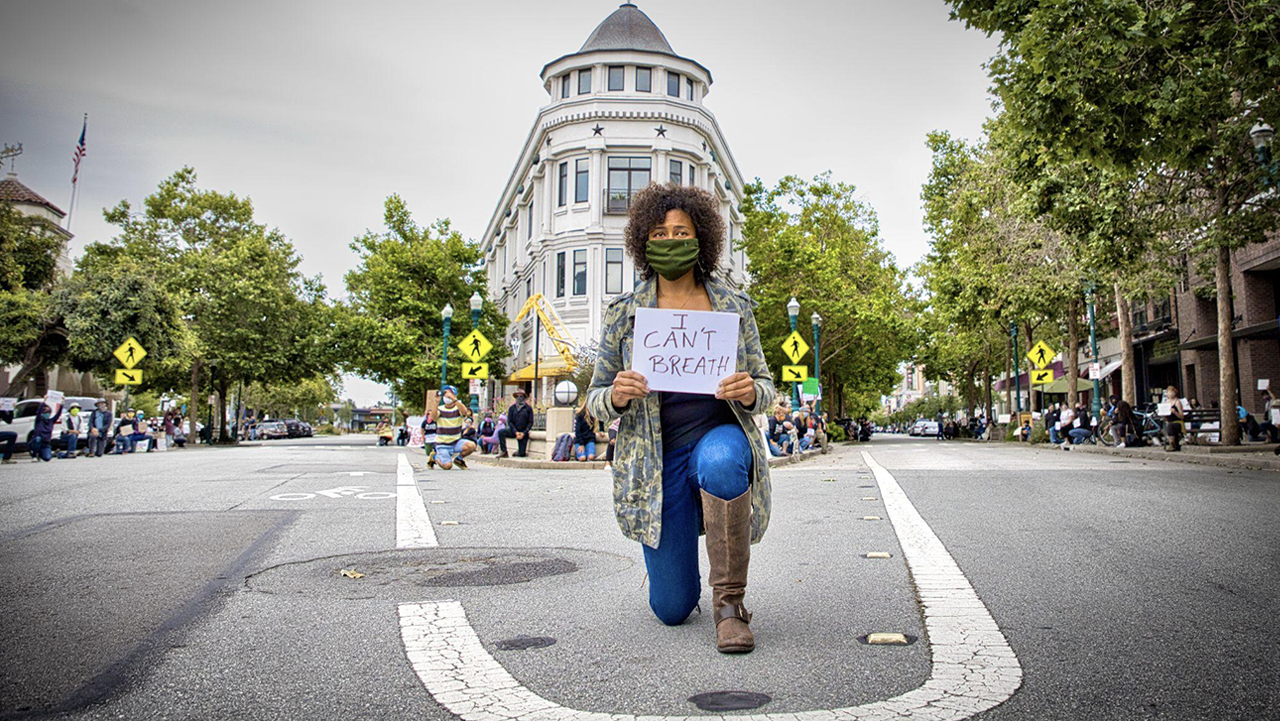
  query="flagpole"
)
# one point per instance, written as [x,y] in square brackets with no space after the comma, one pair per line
[75,178]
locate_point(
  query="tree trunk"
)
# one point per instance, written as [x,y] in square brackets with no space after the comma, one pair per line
[223,436]
[1128,371]
[193,406]
[1227,380]
[1008,373]
[1073,350]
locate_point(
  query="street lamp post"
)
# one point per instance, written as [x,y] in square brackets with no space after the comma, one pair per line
[447,314]
[1261,135]
[793,312]
[1017,371]
[476,304]
[817,360]
[1096,405]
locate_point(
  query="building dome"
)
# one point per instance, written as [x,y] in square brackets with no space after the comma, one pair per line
[628,28]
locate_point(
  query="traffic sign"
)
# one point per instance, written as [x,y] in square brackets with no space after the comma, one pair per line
[1041,354]
[1039,378]
[128,377]
[130,353]
[475,370]
[475,346]
[795,374]
[795,347]
[1095,372]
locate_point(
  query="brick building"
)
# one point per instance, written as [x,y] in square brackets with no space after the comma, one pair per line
[1255,289]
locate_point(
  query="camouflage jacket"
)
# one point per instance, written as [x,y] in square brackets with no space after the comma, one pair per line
[637,460]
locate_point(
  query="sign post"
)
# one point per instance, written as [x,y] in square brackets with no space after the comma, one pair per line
[130,353]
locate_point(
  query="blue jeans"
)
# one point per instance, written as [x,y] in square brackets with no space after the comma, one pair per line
[70,439]
[124,443]
[720,464]
[1079,435]
[40,448]
[1054,438]
[587,451]
[7,439]
[446,452]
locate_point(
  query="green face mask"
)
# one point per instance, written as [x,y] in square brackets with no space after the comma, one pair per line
[671,259]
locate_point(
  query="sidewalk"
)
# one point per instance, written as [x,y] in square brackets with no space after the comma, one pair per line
[1260,457]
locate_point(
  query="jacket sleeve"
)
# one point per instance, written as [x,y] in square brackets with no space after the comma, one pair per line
[756,366]
[609,363]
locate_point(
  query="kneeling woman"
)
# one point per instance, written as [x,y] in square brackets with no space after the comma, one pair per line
[685,461]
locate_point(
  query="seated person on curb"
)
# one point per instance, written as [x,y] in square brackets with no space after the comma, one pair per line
[41,445]
[779,439]
[142,433]
[584,435]
[519,423]
[1248,424]
[1082,428]
[7,438]
[72,427]
[451,447]
[125,429]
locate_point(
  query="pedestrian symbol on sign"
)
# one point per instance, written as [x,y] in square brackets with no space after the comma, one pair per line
[795,347]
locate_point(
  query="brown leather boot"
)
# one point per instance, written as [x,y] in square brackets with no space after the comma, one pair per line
[728,526]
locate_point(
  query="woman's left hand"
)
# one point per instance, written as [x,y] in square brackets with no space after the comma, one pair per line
[739,387]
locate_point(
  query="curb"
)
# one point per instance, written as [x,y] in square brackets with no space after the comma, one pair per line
[1219,460]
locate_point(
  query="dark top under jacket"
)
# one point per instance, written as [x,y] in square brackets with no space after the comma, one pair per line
[687,417]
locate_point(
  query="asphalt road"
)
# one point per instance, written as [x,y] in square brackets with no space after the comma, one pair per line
[206,583]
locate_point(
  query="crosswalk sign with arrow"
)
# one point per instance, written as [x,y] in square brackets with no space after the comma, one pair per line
[475,370]
[475,346]
[795,347]
[1039,378]
[795,374]
[128,377]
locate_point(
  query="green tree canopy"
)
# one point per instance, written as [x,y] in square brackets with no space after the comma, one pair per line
[389,328]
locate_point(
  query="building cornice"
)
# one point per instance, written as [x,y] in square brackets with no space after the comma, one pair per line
[706,125]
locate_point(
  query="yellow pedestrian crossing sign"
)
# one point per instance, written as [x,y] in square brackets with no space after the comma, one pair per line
[128,377]
[1039,378]
[1041,354]
[795,347]
[475,370]
[475,346]
[795,374]
[130,353]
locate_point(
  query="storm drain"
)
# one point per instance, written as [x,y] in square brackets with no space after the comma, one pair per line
[524,643]
[730,700]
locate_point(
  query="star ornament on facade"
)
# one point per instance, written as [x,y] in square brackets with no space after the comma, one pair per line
[597,130]
[662,131]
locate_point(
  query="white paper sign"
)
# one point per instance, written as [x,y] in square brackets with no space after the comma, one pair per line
[53,398]
[1095,372]
[1264,384]
[688,351]
[417,438]
[8,404]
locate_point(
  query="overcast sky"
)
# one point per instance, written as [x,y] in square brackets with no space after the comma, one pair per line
[318,110]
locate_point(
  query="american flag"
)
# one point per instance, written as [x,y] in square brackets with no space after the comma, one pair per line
[80,151]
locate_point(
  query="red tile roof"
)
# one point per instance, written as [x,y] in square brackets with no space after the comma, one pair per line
[13,191]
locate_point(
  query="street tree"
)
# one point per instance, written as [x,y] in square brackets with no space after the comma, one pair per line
[29,249]
[389,327]
[1164,85]
[816,241]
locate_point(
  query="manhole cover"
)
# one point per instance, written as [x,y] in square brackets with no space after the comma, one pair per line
[730,700]
[521,643]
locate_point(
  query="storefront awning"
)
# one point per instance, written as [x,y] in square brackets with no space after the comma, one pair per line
[547,368]
[1061,385]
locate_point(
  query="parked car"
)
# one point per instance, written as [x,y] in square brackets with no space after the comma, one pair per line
[273,429]
[293,427]
[307,430]
[924,428]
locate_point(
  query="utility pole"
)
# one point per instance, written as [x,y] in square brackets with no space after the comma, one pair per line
[1017,371]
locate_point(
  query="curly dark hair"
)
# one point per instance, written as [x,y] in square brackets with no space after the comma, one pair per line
[650,206]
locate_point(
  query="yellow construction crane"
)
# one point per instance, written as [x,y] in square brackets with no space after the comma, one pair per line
[560,336]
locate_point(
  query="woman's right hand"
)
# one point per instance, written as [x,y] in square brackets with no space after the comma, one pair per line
[628,386]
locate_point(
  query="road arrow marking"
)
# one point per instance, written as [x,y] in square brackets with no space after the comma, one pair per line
[974,669]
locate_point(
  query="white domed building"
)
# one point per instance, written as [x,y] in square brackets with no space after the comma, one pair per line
[624,111]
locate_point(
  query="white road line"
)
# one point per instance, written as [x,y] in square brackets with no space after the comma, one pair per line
[973,667]
[413,525]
